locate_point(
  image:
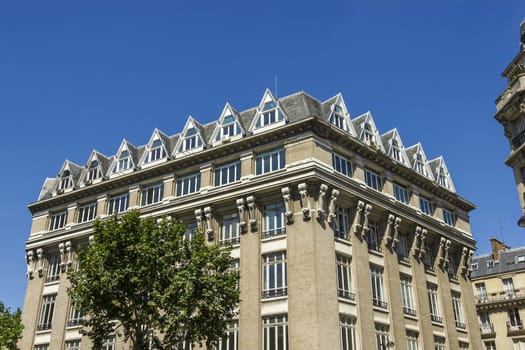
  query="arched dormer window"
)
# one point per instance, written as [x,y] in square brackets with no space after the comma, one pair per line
[66,180]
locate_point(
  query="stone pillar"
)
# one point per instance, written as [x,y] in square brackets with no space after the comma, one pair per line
[313,310]
[61,309]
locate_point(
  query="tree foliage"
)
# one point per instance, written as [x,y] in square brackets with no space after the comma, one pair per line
[160,288]
[10,327]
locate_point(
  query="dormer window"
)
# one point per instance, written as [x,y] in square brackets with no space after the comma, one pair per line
[337,118]
[420,165]
[93,171]
[368,134]
[156,151]
[191,140]
[270,114]
[442,178]
[230,127]
[65,180]
[395,151]
[124,162]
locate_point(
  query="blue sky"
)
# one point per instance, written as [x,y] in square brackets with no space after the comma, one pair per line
[77,76]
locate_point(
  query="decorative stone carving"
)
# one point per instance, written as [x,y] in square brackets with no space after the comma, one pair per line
[30,263]
[40,261]
[303,193]
[198,218]
[396,232]
[69,253]
[422,250]
[463,261]
[441,251]
[357,218]
[368,209]
[288,204]
[331,207]
[469,262]
[250,200]
[209,224]
[416,242]
[242,214]
[388,230]
[446,261]
[322,200]
[62,250]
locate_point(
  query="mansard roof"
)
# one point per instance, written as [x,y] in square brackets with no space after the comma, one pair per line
[48,187]
[74,169]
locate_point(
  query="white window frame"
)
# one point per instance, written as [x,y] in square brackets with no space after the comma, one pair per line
[373,180]
[481,292]
[344,277]
[230,232]
[228,128]
[403,246]
[191,141]
[412,340]
[75,317]
[152,194]
[269,115]
[156,151]
[439,343]
[433,299]
[374,235]
[275,332]
[485,324]
[41,347]
[382,336]
[273,220]
[47,312]
[270,161]
[190,232]
[514,319]
[395,151]
[124,162]
[458,311]
[491,345]
[227,173]
[337,118]
[72,344]
[401,193]
[188,184]
[58,220]
[348,338]
[230,341]
[66,180]
[508,288]
[409,307]
[341,223]
[53,268]
[379,298]
[275,275]
[342,165]
[87,212]
[448,217]
[118,203]
[109,343]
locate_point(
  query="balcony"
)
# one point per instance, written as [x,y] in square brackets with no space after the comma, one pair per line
[487,330]
[346,294]
[461,325]
[518,140]
[500,297]
[380,303]
[515,328]
[436,318]
[409,311]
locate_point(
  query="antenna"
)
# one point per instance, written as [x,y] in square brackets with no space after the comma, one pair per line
[276,92]
[500,224]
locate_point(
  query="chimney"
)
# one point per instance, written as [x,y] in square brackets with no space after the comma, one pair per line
[496,247]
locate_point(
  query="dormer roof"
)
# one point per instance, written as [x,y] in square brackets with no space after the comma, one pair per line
[337,114]
[419,161]
[441,174]
[157,149]
[367,132]
[394,147]
[228,127]
[191,139]
[269,114]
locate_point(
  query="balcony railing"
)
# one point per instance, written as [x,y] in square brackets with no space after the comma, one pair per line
[273,293]
[500,296]
[341,234]
[232,241]
[487,330]
[461,325]
[346,294]
[379,303]
[274,232]
[519,139]
[515,328]
[436,318]
[409,311]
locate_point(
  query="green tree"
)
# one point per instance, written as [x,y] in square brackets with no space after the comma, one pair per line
[10,327]
[160,288]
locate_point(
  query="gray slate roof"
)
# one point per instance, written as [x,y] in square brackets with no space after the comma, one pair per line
[508,262]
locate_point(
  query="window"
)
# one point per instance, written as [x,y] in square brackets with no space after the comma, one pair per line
[481,292]
[275,332]
[275,280]
[42,347]
[442,178]
[58,220]
[269,161]
[491,345]
[426,206]
[474,266]
[490,263]
[409,308]
[433,299]
[230,229]
[270,114]
[395,151]
[191,140]
[230,127]
[156,151]
[87,212]
[402,246]
[430,256]
[53,269]
[368,134]
[75,317]
[401,193]
[124,162]
[412,343]
[72,344]
[519,344]
[378,288]
[337,118]
[273,220]
[45,321]
[118,203]
[463,346]
[373,180]
[227,174]
[188,184]
[230,341]
[109,343]
[93,171]
[374,236]
[514,322]
[382,338]
[521,258]
[439,343]
[508,288]
[190,232]
[449,218]
[344,277]
[419,165]
[66,180]
[485,324]
[341,164]
[341,224]
[348,339]
[458,311]
[152,194]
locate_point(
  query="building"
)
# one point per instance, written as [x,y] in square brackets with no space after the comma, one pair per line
[499,284]
[510,112]
[344,237]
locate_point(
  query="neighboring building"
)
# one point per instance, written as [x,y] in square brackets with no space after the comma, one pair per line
[499,283]
[510,112]
[344,238]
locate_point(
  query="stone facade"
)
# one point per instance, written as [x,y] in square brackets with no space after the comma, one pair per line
[340,232]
